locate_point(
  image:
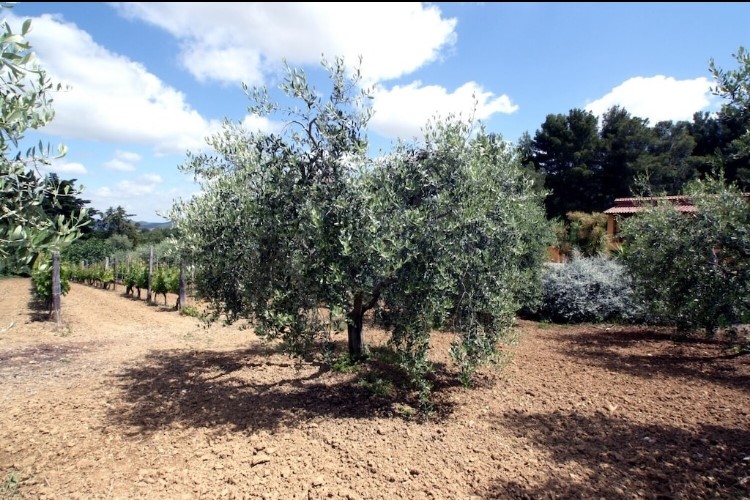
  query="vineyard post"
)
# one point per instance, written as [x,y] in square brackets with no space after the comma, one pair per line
[114,271]
[183,286]
[106,263]
[150,272]
[56,286]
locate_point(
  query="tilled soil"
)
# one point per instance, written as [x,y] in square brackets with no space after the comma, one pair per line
[136,401]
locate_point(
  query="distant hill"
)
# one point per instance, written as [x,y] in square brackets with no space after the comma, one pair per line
[154,225]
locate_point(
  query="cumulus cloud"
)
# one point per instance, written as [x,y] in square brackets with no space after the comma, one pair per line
[255,123]
[134,189]
[402,111]
[118,165]
[110,97]
[657,98]
[128,156]
[153,178]
[63,167]
[244,41]
[143,196]
[124,161]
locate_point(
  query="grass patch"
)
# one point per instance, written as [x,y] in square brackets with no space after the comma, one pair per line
[377,385]
[9,487]
[191,311]
[345,364]
[404,411]
[385,355]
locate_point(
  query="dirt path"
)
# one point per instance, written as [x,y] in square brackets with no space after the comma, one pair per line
[133,401]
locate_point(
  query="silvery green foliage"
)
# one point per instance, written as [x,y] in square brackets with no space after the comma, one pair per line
[693,270]
[298,230]
[588,289]
[281,233]
[25,229]
[468,235]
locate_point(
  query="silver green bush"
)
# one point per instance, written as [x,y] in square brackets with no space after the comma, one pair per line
[589,289]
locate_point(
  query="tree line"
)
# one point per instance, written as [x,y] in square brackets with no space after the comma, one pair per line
[585,161]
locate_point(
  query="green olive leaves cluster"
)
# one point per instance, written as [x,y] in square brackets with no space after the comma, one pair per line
[301,232]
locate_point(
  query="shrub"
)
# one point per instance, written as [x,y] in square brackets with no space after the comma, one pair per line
[89,250]
[583,232]
[191,311]
[166,281]
[136,277]
[588,232]
[588,289]
[41,279]
[693,270]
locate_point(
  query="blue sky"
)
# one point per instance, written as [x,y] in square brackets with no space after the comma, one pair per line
[148,81]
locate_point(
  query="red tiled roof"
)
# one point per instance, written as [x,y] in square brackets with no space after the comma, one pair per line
[634,205]
[636,209]
[652,198]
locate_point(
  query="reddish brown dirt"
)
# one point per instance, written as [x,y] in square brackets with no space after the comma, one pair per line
[134,401]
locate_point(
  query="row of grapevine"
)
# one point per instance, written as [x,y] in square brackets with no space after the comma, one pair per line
[96,275]
[135,278]
[167,281]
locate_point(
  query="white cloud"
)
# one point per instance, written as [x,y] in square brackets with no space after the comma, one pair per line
[124,161]
[118,165]
[112,98]
[153,178]
[128,156]
[143,196]
[62,167]
[229,42]
[133,189]
[657,98]
[402,111]
[254,123]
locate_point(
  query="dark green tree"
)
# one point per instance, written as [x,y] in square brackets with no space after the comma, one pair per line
[89,250]
[666,164]
[734,87]
[116,220]
[69,206]
[567,151]
[525,148]
[625,139]
[710,139]
[156,235]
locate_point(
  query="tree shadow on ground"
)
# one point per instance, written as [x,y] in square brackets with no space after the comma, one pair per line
[36,356]
[247,389]
[39,313]
[616,458]
[647,353]
[39,309]
[131,296]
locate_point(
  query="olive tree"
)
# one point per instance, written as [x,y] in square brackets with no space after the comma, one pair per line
[280,229]
[301,233]
[465,236]
[693,270]
[26,230]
